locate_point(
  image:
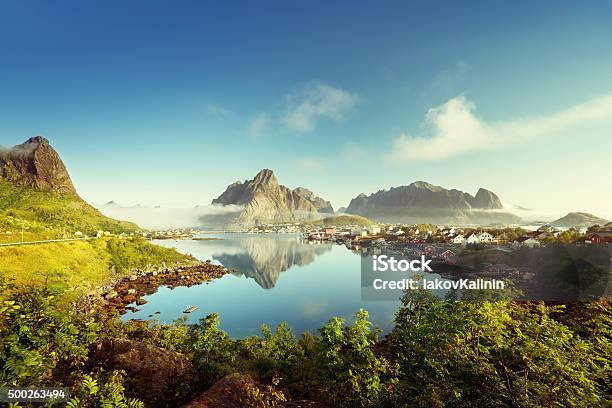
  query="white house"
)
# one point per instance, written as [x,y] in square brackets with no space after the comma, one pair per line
[374,230]
[472,239]
[485,237]
[459,239]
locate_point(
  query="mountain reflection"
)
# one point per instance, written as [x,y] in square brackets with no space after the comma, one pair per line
[263,258]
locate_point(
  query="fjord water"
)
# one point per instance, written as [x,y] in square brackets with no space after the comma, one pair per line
[278,278]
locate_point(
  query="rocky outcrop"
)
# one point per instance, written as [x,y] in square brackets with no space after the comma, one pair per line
[421,202]
[323,206]
[486,200]
[36,164]
[232,392]
[228,392]
[131,289]
[160,377]
[265,201]
[579,220]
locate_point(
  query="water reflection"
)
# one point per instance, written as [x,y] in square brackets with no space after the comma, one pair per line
[279,278]
[263,258]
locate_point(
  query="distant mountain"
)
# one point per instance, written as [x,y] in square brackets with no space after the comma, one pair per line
[263,200]
[578,220]
[341,210]
[421,202]
[36,191]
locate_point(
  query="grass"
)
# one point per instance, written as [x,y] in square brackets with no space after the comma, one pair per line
[72,268]
[343,220]
[46,215]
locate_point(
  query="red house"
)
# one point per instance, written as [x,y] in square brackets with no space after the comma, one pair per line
[600,237]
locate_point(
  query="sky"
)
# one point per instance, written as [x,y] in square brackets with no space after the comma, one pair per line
[166,103]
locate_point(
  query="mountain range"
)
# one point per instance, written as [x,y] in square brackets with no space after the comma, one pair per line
[35,185]
[421,202]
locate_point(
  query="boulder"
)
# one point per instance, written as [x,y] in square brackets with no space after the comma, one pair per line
[159,377]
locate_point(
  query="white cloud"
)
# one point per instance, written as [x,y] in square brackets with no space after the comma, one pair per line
[258,125]
[310,165]
[453,129]
[316,101]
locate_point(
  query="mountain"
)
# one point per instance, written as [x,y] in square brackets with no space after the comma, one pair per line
[263,200]
[36,164]
[37,195]
[323,206]
[578,220]
[421,202]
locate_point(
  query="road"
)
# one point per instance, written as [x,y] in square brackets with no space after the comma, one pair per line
[41,242]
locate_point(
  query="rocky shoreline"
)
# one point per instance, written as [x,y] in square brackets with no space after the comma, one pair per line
[121,292]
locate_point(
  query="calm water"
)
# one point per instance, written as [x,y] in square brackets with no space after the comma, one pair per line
[280,278]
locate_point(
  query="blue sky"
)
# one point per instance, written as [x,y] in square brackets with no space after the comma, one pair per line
[169,102]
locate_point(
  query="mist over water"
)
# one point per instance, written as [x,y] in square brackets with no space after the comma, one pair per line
[161,218]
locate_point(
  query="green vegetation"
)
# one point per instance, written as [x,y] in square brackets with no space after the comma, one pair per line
[72,267]
[443,354]
[342,221]
[45,215]
[41,346]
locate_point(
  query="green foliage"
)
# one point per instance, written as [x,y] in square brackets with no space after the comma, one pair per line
[441,353]
[470,354]
[102,391]
[274,354]
[213,350]
[39,345]
[133,253]
[353,375]
[262,397]
[343,221]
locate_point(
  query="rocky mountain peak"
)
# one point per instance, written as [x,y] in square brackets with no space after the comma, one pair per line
[37,140]
[264,200]
[487,200]
[36,164]
[266,177]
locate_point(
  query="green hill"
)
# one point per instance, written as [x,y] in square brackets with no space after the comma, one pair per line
[343,220]
[50,215]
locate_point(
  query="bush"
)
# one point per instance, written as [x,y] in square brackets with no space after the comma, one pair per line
[468,354]
[353,376]
[39,345]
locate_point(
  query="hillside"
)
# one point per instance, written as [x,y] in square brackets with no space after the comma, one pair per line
[343,220]
[578,220]
[50,215]
[38,200]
